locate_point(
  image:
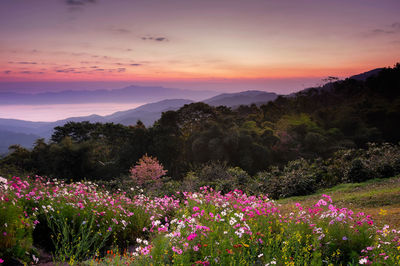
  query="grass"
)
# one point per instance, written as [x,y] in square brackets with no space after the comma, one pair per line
[377,197]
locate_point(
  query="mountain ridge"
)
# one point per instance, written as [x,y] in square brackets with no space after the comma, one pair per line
[127,94]
[149,113]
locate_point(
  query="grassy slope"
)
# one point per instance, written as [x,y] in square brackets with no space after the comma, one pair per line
[370,197]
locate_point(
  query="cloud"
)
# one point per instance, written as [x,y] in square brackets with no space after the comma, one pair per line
[90,70]
[78,2]
[125,64]
[66,70]
[119,30]
[381,31]
[388,30]
[395,25]
[30,72]
[27,63]
[23,63]
[77,5]
[156,39]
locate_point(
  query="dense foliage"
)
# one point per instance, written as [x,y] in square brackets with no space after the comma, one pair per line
[313,123]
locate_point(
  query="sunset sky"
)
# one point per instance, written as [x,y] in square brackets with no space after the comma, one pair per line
[226,45]
[195,41]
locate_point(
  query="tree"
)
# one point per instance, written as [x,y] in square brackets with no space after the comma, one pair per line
[147,170]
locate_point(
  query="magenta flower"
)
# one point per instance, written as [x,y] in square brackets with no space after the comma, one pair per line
[191,236]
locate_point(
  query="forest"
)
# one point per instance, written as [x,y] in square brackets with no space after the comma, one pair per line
[205,144]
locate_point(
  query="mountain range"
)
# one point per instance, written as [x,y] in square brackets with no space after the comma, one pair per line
[129,94]
[13,131]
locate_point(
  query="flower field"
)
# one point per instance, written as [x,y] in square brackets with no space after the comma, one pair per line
[82,223]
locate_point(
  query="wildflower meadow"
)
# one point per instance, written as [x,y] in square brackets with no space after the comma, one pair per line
[82,223]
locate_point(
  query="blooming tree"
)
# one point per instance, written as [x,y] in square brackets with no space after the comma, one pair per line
[147,169]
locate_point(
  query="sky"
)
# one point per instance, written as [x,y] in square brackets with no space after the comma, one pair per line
[221,45]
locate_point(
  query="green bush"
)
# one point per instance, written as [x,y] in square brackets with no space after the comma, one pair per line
[15,233]
[296,179]
[302,177]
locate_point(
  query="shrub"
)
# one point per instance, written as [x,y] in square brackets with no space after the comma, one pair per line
[295,179]
[217,175]
[15,232]
[147,172]
[358,171]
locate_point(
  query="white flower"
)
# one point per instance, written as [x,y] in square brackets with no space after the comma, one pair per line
[36,260]
[363,261]
[138,240]
[232,221]
[260,255]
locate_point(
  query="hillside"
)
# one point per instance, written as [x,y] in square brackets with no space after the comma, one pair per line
[147,113]
[8,138]
[377,197]
[241,98]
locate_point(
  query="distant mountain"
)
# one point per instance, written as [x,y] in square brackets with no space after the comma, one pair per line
[241,98]
[147,113]
[14,125]
[125,95]
[8,138]
[13,131]
[365,75]
[329,86]
[25,132]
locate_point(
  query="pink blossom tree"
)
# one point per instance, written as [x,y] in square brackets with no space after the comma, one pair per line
[147,170]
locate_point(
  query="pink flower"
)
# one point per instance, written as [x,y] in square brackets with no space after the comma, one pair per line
[1,260]
[177,250]
[327,197]
[298,205]
[191,236]
[195,209]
